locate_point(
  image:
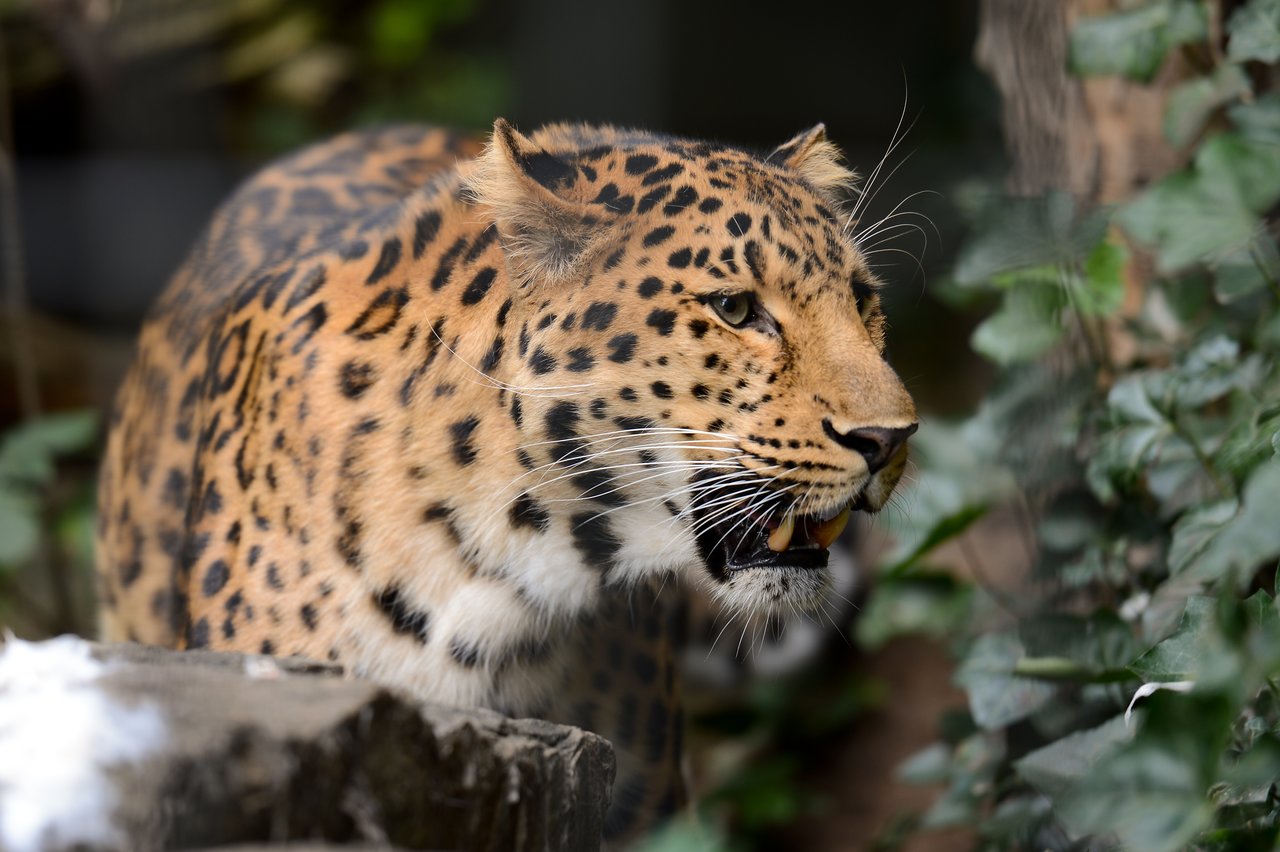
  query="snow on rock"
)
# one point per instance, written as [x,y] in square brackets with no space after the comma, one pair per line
[60,734]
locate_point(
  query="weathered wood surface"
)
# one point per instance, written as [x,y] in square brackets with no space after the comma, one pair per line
[257,751]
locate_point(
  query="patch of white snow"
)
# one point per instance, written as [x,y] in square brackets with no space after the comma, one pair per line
[59,734]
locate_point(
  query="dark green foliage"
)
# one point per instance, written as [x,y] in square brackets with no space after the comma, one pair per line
[1132,697]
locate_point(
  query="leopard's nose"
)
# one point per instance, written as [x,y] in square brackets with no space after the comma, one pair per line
[875,444]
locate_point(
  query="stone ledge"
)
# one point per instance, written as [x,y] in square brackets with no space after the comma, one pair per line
[232,749]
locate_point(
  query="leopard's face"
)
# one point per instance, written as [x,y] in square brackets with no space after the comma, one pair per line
[714,351]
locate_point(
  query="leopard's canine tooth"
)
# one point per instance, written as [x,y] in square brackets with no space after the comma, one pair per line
[780,539]
[828,531]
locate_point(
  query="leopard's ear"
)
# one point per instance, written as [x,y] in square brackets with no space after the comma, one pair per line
[529,191]
[818,161]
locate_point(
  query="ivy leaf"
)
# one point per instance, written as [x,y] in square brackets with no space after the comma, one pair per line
[1252,169]
[928,766]
[19,528]
[1247,271]
[944,529]
[1130,401]
[1134,42]
[27,452]
[1181,655]
[1210,371]
[972,768]
[1250,537]
[1187,219]
[959,478]
[1258,121]
[1032,236]
[1054,768]
[1207,212]
[1191,103]
[1137,432]
[931,604]
[1026,325]
[1102,291]
[1249,442]
[1255,32]
[1194,530]
[1100,644]
[1151,791]
[998,697]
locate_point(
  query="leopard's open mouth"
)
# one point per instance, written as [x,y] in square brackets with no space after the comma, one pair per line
[775,537]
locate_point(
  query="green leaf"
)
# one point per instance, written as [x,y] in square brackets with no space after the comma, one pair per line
[1248,270]
[1210,371]
[1180,657]
[1209,211]
[930,604]
[929,766]
[1248,539]
[959,476]
[1187,219]
[1054,768]
[944,529]
[1255,32]
[1137,434]
[683,834]
[1014,820]
[1194,530]
[1099,645]
[1259,121]
[1133,43]
[27,451]
[766,793]
[1130,401]
[1034,237]
[1121,457]
[1249,443]
[1026,326]
[1251,169]
[972,768]
[401,31]
[1103,289]
[1191,103]
[19,528]
[997,697]
[1151,791]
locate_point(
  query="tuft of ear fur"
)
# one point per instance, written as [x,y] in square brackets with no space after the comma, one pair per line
[818,161]
[526,187]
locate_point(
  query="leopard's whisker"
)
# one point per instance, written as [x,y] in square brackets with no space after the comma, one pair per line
[693,464]
[647,430]
[894,141]
[672,469]
[501,385]
[571,461]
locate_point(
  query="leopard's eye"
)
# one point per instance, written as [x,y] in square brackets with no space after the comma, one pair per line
[734,308]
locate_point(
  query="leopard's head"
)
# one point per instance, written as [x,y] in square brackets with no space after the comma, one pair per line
[701,347]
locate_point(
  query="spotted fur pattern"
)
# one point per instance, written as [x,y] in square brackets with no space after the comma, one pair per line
[442,415]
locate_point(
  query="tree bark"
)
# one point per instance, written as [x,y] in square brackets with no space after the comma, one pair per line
[1099,139]
[196,750]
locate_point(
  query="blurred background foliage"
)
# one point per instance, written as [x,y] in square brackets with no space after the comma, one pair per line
[1094,512]
[1123,692]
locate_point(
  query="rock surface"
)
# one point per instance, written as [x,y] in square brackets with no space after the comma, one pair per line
[254,751]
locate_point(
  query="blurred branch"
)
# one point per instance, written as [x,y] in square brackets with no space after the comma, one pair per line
[15,296]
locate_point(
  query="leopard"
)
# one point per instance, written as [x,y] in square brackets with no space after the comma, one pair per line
[449,412]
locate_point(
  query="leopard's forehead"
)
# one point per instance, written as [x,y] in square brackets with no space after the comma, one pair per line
[712,194]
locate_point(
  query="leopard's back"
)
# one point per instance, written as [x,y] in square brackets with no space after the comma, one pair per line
[324,200]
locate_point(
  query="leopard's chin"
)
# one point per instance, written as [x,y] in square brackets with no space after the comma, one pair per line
[766,588]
